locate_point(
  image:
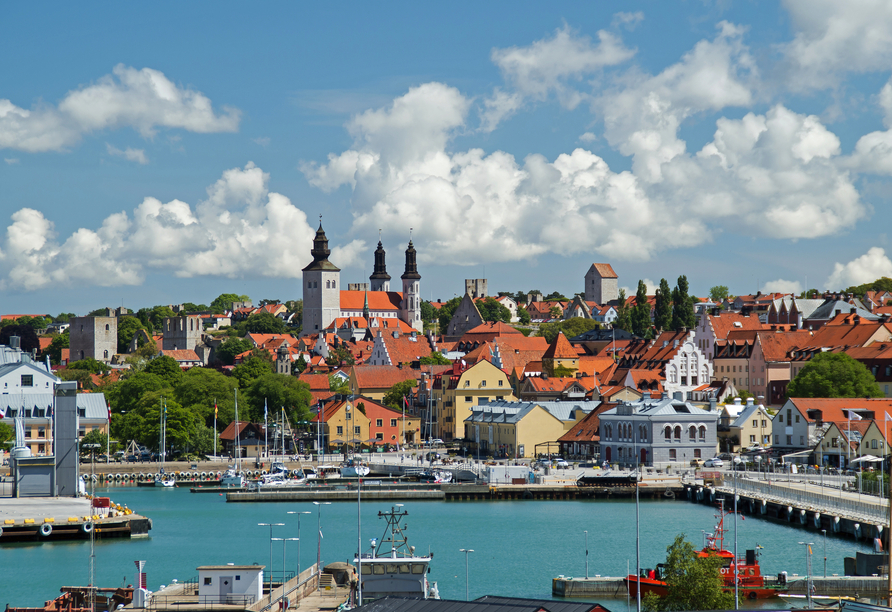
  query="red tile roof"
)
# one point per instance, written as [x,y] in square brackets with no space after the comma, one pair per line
[181,355]
[561,349]
[406,349]
[378,300]
[380,377]
[727,322]
[605,270]
[776,346]
[317,382]
[833,409]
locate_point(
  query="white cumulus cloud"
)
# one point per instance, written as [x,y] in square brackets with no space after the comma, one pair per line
[865,269]
[782,286]
[144,100]
[130,154]
[241,229]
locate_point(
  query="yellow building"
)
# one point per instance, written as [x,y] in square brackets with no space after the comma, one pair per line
[461,388]
[364,422]
[845,441]
[744,425]
[499,428]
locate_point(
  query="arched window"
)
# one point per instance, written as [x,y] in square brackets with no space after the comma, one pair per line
[106,327]
[105,354]
[692,432]
[678,432]
[334,284]
[702,432]
[668,431]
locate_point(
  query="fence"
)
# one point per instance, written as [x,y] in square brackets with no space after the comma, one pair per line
[874,510]
[207,602]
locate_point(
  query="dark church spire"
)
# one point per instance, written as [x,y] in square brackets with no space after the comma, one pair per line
[380,272]
[411,264]
[321,252]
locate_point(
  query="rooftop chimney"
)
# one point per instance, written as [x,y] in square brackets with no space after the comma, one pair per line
[15,342]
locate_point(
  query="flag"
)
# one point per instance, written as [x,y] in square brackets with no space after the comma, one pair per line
[809,549]
[854,416]
[264,409]
[109,411]
[320,534]
[215,409]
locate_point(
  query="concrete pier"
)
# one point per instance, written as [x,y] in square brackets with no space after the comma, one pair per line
[65,518]
[832,586]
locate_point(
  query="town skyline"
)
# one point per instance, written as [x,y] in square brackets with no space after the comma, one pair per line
[736,145]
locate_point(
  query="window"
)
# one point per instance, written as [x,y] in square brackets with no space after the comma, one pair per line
[873,443]
[802,440]
[702,432]
[356,430]
[467,383]
[468,398]
[379,435]
[752,439]
[789,440]
[340,430]
[106,327]
[776,439]
[309,285]
[482,383]
[692,433]
[380,423]
[207,580]
[764,424]
[41,432]
[684,380]
[755,422]
[334,284]
[835,442]
[696,453]
[500,384]
[672,454]
[678,432]
[668,433]
[393,422]
[797,418]
[27,380]
[780,417]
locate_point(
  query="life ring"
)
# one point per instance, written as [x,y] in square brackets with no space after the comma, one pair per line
[752,595]
[87,527]
[46,529]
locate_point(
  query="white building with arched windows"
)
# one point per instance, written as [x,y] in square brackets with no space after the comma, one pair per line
[658,433]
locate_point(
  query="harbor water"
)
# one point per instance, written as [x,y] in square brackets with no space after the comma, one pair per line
[519,546]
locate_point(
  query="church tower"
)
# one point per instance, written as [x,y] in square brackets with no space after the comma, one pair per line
[380,278]
[410,307]
[322,294]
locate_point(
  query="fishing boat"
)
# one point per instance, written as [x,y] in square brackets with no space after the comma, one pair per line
[391,567]
[353,468]
[435,476]
[750,585]
[233,476]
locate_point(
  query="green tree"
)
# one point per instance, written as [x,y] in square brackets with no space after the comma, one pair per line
[336,384]
[523,317]
[192,307]
[492,310]
[693,582]
[428,312]
[641,311]
[571,328]
[435,358]
[224,301]
[718,293]
[167,368]
[394,397]
[743,395]
[143,423]
[663,306]
[91,365]
[555,312]
[7,436]
[880,284]
[251,369]
[300,365]
[264,323]
[556,296]
[64,317]
[623,316]
[54,350]
[446,311]
[199,389]
[227,351]
[279,391]
[340,356]
[27,336]
[83,378]
[153,318]
[834,375]
[682,306]
[95,436]
[127,328]
[126,394]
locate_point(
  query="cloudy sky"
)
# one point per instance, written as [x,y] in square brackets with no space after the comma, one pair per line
[174,152]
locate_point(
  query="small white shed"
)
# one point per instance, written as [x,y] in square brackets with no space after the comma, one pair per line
[230,583]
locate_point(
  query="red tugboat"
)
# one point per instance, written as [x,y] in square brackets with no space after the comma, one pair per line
[751,583]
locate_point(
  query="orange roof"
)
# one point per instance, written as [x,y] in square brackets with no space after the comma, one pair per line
[180,355]
[317,382]
[494,328]
[593,364]
[12,317]
[406,349]
[44,343]
[264,339]
[553,384]
[561,349]
[605,270]
[833,409]
[727,322]
[378,300]
[380,377]
[777,346]
[841,331]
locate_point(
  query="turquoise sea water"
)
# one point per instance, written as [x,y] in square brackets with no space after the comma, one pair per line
[518,546]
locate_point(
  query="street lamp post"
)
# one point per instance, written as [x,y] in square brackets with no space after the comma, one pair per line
[298,534]
[271,525]
[824,532]
[319,541]
[284,542]
[586,554]
[808,587]
[92,448]
[467,552]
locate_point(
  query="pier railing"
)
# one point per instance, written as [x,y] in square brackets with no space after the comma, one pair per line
[875,510]
[206,602]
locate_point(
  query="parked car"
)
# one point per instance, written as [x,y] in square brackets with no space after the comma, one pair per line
[726,456]
[560,463]
[715,462]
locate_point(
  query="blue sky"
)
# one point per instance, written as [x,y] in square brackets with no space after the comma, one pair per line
[169,153]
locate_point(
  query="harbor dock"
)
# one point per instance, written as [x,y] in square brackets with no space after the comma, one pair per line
[63,518]
[831,586]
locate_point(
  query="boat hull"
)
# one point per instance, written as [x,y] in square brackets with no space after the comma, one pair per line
[659,588]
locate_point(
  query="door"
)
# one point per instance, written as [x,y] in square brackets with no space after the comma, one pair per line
[225,585]
[643,456]
[607,453]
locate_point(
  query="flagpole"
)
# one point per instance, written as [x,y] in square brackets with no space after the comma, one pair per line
[889,526]
[265,429]
[215,427]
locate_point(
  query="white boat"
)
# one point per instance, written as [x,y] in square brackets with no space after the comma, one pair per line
[392,567]
[325,471]
[435,476]
[354,469]
[233,477]
[166,481]
[801,601]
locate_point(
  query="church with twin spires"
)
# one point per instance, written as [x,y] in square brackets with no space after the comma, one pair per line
[325,301]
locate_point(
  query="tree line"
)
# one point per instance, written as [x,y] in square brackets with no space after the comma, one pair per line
[673,309]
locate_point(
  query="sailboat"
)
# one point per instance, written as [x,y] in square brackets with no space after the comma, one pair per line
[164,480]
[233,477]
